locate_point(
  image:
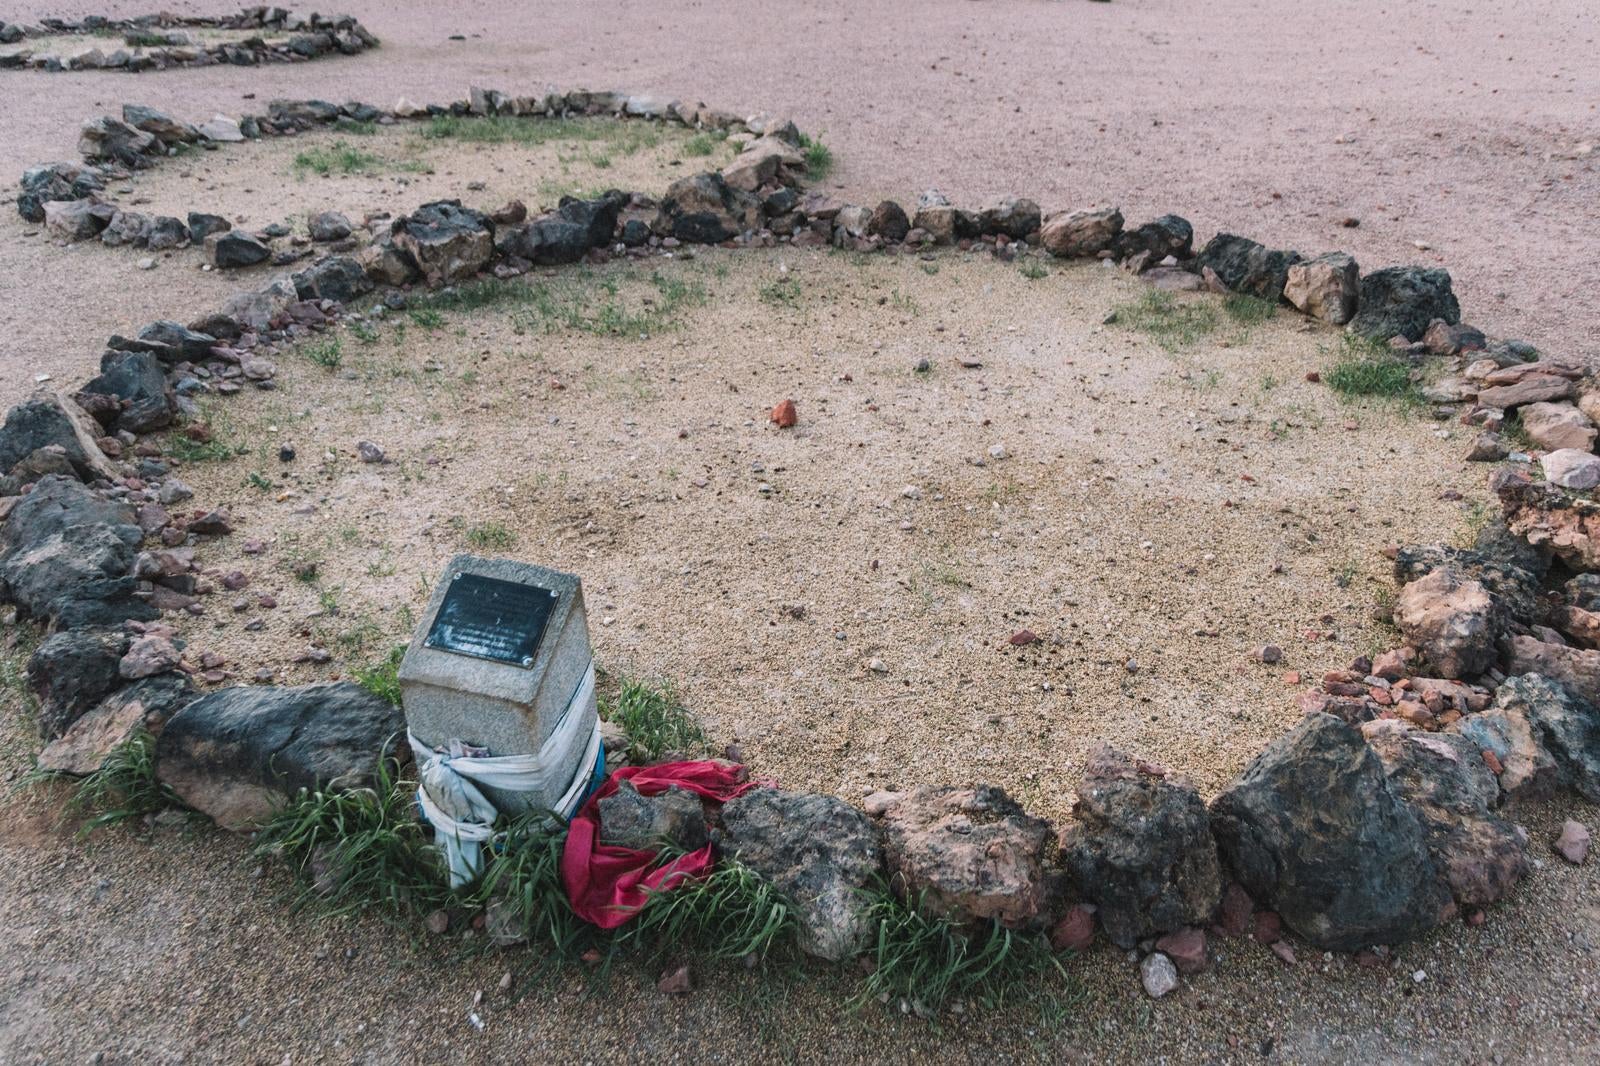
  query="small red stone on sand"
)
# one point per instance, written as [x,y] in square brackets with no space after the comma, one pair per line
[676,982]
[784,415]
[1186,948]
[1573,844]
[1233,917]
[1075,932]
[1284,951]
[1476,917]
[1268,927]
[1023,637]
[1291,677]
[1313,377]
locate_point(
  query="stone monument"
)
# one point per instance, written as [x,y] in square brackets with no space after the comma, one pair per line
[501,666]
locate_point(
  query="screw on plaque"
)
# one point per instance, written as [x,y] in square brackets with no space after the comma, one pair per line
[527,660]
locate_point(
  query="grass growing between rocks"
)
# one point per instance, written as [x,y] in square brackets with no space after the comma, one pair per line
[926,961]
[1170,322]
[1368,371]
[612,135]
[382,678]
[656,721]
[819,157]
[125,786]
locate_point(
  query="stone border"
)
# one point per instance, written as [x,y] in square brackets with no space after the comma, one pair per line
[1373,820]
[155,42]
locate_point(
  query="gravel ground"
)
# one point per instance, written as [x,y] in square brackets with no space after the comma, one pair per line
[1448,126]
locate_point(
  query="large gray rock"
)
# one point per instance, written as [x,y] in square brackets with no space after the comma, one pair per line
[972,854]
[1168,235]
[158,123]
[137,384]
[673,819]
[240,753]
[1326,287]
[236,249]
[1314,830]
[1403,301]
[112,140]
[1141,850]
[77,220]
[1244,266]
[1452,620]
[448,242]
[1506,566]
[55,181]
[66,557]
[1012,216]
[45,420]
[1480,855]
[257,309]
[1564,725]
[337,277]
[819,852]
[1081,233]
[70,672]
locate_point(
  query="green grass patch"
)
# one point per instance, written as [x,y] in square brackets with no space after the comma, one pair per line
[704,143]
[819,157]
[1366,370]
[1248,310]
[615,136]
[1033,270]
[327,353]
[1170,322]
[782,292]
[125,786]
[382,678]
[656,721]
[490,536]
[731,914]
[609,304]
[337,158]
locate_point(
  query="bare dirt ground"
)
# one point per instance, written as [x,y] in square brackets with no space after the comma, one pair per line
[171,945]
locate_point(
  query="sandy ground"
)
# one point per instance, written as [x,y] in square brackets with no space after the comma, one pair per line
[1450,123]
[1106,529]
[1444,126]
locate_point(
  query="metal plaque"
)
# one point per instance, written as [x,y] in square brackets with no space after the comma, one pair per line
[488,618]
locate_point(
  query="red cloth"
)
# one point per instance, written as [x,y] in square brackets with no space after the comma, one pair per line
[606,884]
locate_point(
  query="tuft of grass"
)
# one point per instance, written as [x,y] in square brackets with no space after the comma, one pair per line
[382,678]
[1171,323]
[337,158]
[327,353]
[1033,270]
[655,720]
[427,317]
[924,960]
[356,127]
[522,880]
[359,847]
[819,157]
[490,536]
[125,786]
[1368,371]
[733,913]
[704,143]
[782,292]
[1248,310]
[616,137]
[587,301]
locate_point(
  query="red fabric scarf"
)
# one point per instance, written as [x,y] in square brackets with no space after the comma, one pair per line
[606,884]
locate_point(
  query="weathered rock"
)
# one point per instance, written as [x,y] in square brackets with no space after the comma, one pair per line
[1533,388]
[971,853]
[819,852]
[338,278]
[164,232]
[144,705]
[1141,849]
[1573,843]
[765,161]
[149,655]
[1526,770]
[66,556]
[111,139]
[1452,338]
[55,181]
[1326,287]
[1556,426]
[1314,829]
[77,220]
[202,225]
[1563,722]
[888,221]
[257,309]
[1451,620]
[47,419]
[328,226]
[239,753]
[386,262]
[1075,930]
[936,217]
[162,125]
[1012,216]
[1168,235]
[673,819]
[1186,948]
[235,249]
[1158,975]
[1244,266]
[220,128]
[448,242]
[126,227]
[1508,567]
[1571,468]
[1403,302]
[70,672]
[137,384]
[597,218]
[705,209]
[1081,233]
[1480,855]
[1488,447]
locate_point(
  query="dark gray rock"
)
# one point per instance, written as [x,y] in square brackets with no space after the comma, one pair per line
[137,384]
[145,705]
[1141,850]
[1314,830]
[202,225]
[1245,266]
[1511,577]
[55,181]
[164,232]
[635,233]
[72,671]
[47,420]
[598,217]
[162,125]
[302,113]
[240,753]
[174,342]
[66,557]
[1402,301]
[889,221]
[337,278]
[236,249]
[705,209]
[1480,855]
[673,820]
[546,241]
[1168,235]
[972,854]
[819,852]
[1014,217]
[126,227]
[112,140]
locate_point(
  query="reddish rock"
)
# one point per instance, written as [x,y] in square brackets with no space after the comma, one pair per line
[1268,927]
[1284,951]
[1186,948]
[1023,637]
[678,982]
[784,415]
[1075,932]
[1233,917]
[1394,664]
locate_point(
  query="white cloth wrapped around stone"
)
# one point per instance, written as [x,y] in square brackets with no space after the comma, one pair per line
[463,818]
